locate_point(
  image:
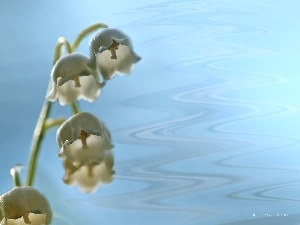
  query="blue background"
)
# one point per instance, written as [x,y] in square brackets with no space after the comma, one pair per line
[206,128]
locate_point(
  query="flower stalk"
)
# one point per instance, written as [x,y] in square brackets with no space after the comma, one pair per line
[84,140]
[15,175]
[43,123]
[86,32]
[75,108]
[38,136]
[49,123]
[57,52]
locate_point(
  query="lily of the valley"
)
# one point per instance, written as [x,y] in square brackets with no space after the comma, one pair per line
[85,149]
[112,52]
[24,205]
[72,79]
[89,177]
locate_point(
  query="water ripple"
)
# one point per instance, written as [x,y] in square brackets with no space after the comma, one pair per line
[204,144]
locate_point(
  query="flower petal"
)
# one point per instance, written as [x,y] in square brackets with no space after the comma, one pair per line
[52,94]
[22,202]
[70,130]
[67,93]
[89,177]
[102,41]
[89,88]
[69,77]
[123,64]
[123,41]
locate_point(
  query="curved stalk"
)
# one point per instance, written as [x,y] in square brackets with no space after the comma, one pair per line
[15,175]
[36,142]
[75,108]
[43,124]
[50,123]
[61,42]
[86,32]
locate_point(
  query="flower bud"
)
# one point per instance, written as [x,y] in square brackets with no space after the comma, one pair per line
[112,52]
[25,202]
[72,79]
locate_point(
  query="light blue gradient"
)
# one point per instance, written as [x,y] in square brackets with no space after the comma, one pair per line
[206,128]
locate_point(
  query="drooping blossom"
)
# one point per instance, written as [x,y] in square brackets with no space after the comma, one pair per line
[24,205]
[89,177]
[72,79]
[85,149]
[112,52]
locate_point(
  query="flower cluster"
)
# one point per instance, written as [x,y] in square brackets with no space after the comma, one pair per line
[75,76]
[84,140]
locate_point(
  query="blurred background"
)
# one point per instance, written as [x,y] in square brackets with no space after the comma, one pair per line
[206,128]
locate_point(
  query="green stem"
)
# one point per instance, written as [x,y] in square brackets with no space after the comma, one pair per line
[36,142]
[57,52]
[86,32]
[75,108]
[49,123]
[15,175]
[43,124]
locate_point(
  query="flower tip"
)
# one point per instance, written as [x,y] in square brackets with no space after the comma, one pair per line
[101,84]
[136,58]
[52,94]
[110,146]
[61,154]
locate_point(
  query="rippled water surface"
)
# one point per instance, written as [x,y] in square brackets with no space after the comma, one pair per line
[206,128]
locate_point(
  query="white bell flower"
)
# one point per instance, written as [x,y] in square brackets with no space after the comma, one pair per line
[72,79]
[112,52]
[24,205]
[85,148]
[89,177]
